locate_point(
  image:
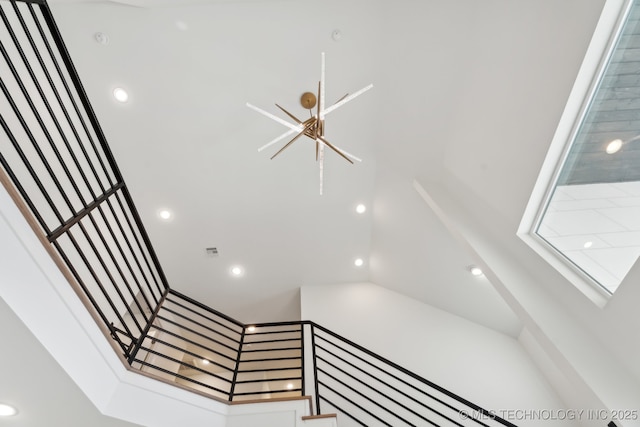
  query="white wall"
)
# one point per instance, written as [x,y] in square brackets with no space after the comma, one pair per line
[283,413]
[479,364]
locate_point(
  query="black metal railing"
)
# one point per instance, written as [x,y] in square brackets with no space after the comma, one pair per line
[366,389]
[202,349]
[57,159]
[191,345]
[271,359]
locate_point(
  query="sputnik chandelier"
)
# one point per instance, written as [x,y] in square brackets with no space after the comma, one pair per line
[313,127]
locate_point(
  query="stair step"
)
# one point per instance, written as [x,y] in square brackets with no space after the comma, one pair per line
[324,420]
[316,417]
[272,399]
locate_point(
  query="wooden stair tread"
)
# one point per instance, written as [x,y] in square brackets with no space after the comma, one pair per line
[271,400]
[316,417]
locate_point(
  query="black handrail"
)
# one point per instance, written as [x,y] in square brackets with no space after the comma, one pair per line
[210,310]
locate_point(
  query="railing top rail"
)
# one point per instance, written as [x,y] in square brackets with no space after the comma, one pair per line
[274,324]
[206,308]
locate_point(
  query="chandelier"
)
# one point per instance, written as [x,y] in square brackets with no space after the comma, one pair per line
[313,127]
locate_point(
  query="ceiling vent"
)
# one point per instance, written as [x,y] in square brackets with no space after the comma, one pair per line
[212,251]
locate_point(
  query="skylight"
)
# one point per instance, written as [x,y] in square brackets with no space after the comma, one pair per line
[590,214]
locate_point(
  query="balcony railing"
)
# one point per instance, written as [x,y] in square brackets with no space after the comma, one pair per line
[56,163]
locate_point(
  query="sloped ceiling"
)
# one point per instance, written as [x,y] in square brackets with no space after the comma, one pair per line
[469,91]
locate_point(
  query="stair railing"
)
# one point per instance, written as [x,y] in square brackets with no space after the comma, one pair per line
[54,153]
[368,389]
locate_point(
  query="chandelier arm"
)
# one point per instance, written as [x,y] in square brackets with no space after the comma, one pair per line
[321,165]
[321,87]
[295,119]
[292,141]
[346,153]
[280,138]
[346,99]
[296,128]
[340,100]
[319,131]
[328,144]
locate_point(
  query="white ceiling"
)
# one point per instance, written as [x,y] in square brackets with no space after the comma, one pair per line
[466,91]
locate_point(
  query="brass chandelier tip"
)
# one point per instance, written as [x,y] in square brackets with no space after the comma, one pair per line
[308,100]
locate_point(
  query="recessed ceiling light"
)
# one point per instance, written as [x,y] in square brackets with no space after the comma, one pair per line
[361,208]
[120,94]
[476,271]
[614,146]
[251,329]
[237,271]
[165,214]
[359,262]
[587,245]
[289,386]
[205,362]
[7,410]
[101,38]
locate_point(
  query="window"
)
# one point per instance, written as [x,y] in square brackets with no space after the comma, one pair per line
[590,215]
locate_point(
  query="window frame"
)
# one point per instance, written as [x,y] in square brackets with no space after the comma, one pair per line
[601,47]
